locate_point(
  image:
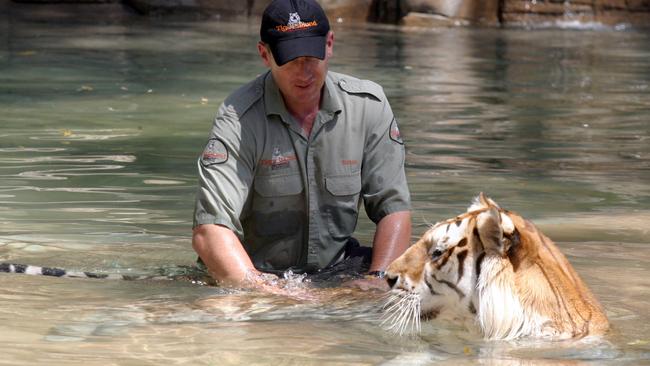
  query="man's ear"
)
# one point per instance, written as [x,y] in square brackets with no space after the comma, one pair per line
[265,53]
[329,45]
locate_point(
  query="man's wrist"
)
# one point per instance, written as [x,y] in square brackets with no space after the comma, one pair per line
[376,274]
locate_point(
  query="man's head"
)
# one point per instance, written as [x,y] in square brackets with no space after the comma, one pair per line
[294,28]
[296,43]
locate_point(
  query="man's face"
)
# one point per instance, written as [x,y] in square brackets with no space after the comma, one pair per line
[301,79]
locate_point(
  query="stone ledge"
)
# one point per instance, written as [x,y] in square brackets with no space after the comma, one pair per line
[424,20]
[545,8]
[609,18]
[335,9]
[635,13]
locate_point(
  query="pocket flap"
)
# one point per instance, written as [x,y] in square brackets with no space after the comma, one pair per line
[343,185]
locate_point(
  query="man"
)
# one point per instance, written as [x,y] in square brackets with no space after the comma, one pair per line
[290,157]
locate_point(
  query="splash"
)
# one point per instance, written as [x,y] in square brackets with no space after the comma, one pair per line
[294,281]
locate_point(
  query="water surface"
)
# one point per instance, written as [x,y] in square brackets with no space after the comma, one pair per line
[101,123]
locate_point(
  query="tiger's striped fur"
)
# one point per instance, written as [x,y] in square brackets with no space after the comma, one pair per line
[491,268]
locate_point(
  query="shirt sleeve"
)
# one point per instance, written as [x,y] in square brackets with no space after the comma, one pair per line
[225,170]
[384,186]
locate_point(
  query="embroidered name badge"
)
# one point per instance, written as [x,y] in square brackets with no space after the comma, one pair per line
[394,133]
[215,153]
[278,159]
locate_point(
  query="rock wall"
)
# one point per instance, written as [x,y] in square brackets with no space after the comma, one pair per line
[451,12]
[341,10]
[611,12]
[526,12]
[422,13]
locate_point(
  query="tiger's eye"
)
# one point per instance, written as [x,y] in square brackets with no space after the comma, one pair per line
[436,253]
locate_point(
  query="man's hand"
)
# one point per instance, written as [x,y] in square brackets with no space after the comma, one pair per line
[293,287]
[368,283]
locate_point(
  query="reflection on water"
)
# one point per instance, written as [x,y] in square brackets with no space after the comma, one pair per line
[101,125]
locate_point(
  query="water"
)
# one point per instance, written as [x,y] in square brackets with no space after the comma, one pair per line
[102,122]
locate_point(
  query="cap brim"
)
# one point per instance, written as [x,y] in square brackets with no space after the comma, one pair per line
[287,50]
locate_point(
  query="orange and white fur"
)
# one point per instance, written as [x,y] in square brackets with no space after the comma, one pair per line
[493,269]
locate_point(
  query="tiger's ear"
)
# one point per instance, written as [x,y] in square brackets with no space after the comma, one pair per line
[489,229]
[483,200]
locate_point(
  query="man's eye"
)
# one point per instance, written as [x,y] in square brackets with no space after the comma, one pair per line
[436,253]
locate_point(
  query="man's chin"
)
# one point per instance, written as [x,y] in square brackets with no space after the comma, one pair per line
[306,92]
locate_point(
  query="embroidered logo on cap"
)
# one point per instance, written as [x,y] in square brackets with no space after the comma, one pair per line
[295,23]
[215,153]
[294,18]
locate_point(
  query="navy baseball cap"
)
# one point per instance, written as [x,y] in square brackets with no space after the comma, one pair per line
[294,28]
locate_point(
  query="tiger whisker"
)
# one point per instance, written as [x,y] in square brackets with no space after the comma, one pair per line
[413,314]
[391,296]
[398,324]
[398,303]
[417,316]
[406,318]
[394,316]
[403,313]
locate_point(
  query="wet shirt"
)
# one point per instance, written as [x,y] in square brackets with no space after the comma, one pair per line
[292,199]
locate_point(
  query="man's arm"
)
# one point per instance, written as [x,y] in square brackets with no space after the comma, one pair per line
[223,254]
[229,264]
[391,239]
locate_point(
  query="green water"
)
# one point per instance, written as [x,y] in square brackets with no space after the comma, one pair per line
[101,123]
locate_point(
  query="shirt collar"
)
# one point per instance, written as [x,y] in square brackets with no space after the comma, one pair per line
[330,101]
[274,104]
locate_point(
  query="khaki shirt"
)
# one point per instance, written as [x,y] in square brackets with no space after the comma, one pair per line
[293,200]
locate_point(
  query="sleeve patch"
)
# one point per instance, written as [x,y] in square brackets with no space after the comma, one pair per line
[215,153]
[394,133]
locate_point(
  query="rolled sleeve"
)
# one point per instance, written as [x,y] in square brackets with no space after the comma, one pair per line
[385,189]
[225,173]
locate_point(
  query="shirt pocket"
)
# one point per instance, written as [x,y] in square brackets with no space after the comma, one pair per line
[342,208]
[278,185]
[277,207]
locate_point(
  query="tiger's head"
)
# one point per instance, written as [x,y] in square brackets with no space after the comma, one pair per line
[492,269]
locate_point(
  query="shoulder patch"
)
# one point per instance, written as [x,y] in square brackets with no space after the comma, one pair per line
[394,133]
[215,153]
[356,86]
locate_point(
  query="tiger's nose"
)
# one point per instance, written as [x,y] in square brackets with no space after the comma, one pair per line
[391,279]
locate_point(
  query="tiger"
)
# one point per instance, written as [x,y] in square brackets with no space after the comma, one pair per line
[492,271]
